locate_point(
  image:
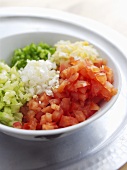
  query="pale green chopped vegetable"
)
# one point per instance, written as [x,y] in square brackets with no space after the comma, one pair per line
[12,95]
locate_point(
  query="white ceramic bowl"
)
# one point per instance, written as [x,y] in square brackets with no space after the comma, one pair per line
[10,43]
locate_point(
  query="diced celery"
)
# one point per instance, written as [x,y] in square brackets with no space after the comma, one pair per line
[2,105]
[12,95]
[7,110]
[5,118]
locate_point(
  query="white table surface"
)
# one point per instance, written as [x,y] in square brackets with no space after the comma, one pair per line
[112,13]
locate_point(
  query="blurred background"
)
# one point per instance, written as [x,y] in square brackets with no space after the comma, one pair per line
[112,13]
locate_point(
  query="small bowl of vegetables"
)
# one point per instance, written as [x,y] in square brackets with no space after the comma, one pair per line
[52,84]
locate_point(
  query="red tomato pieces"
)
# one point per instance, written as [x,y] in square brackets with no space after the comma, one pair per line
[83,85]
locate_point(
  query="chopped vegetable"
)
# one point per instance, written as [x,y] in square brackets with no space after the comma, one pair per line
[53,87]
[82,87]
[31,52]
[12,95]
[78,50]
[40,76]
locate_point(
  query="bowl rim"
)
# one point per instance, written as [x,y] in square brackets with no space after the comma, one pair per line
[70,128]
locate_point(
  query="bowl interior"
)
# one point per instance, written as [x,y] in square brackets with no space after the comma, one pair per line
[10,43]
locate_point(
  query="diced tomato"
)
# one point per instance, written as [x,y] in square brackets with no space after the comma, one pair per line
[79,116]
[94,69]
[83,86]
[83,72]
[30,115]
[90,73]
[67,121]
[59,95]
[82,90]
[43,120]
[109,73]
[62,86]
[44,98]
[63,66]
[26,126]
[71,70]
[55,107]
[101,77]
[48,117]
[33,124]
[38,127]
[94,106]
[49,126]
[74,95]
[30,125]
[17,125]
[73,78]
[70,88]
[34,105]
[47,109]
[81,78]
[99,62]
[65,74]
[80,84]
[82,97]
[38,115]
[73,61]
[75,106]
[65,104]
[24,109]
[56,115]
[96,88]
[54,101]
[97,99]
